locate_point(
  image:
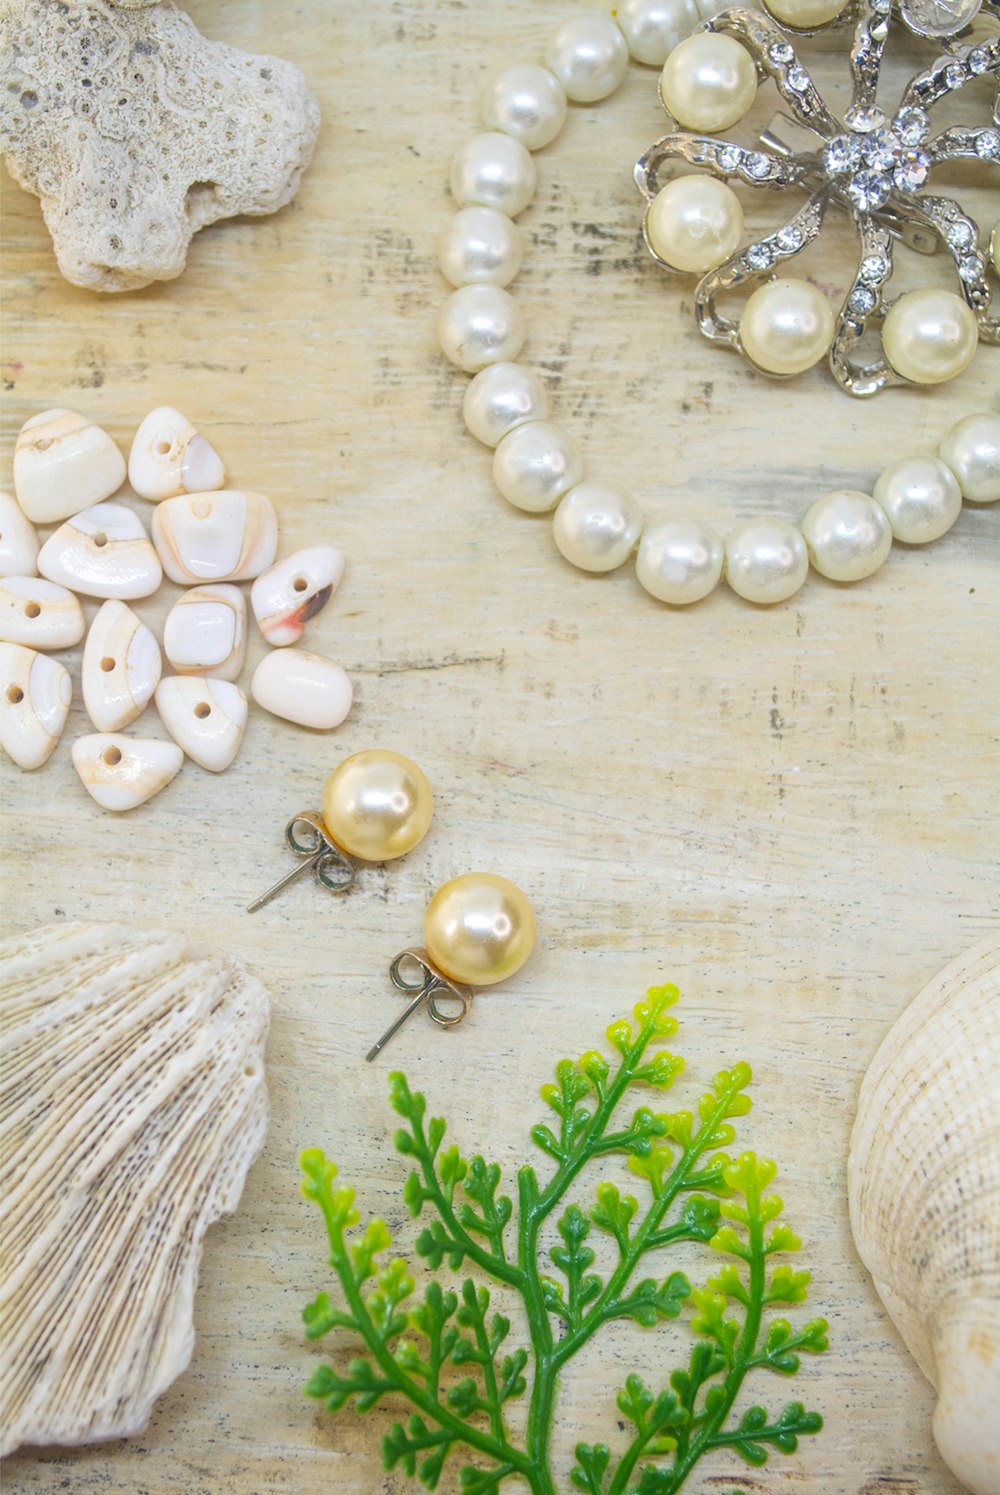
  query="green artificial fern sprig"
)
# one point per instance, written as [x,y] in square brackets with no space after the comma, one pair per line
[449,1356]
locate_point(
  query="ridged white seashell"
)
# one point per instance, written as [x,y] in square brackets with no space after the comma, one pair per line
[121,667]
[35,694]
[303,688]
[18,541]
[39,613]
[924,1188]
[103,552]
[169,456]
[205,717]
[206,632]
[288,594]
[134,1102]
[122,772]
[228,536]
[64,463]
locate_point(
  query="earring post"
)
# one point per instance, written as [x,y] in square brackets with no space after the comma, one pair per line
[283,882]
[394,1027]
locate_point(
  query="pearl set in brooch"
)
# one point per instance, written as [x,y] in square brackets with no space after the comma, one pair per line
[538,466]
[205,538]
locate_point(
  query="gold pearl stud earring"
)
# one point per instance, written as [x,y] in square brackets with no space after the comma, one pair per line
[377,805]
[478,930]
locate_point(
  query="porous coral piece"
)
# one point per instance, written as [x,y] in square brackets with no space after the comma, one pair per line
[132,1106]
[135,131]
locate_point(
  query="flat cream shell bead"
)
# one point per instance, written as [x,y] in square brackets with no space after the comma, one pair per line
[921,498]
[479,928]
[64,463]
[766,561]
[288,594]
[228,536]
[18,541]
[303,688]
[102,552]
[848,535]
[169,456]
[694,223]
[121,667]
[708,82]
[377,805]
[205,717]
[206,632]
[122,772]
[597,526]
[39,613]
[930,335]
[35,694]
[679,560]
[500,397]
[786,326]
[971,449]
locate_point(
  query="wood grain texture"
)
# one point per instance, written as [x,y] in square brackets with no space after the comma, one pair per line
[790,813]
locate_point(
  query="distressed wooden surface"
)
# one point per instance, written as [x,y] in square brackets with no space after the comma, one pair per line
[790,813]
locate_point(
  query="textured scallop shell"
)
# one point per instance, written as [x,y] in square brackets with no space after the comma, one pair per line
[133,1105]
[924,1189]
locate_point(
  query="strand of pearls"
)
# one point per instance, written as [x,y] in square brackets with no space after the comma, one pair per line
[538,465]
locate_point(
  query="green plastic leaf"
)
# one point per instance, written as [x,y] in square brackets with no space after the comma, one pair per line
[591,1467]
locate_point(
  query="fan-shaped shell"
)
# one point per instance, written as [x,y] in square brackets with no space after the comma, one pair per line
[924,1189]
[133,1104]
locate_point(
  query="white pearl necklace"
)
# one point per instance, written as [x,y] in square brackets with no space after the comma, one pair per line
[538,466]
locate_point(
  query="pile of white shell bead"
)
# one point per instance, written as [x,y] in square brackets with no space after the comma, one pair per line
[206,538]
[538,466]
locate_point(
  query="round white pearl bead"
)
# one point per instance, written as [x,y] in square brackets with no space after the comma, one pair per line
[921,498]
[589,56]
[653,28]
[527,102]
[848,535]
[972,451]
[708,82]
[480,246]
[534,465]
[596,526]
[493,171]
[500,397]
[679,560]
[786,326]
[806,14]
[694,223]
[480,325]
[930,336]
[766,560]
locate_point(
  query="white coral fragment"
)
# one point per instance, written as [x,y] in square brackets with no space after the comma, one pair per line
[133,1105]
[134,131]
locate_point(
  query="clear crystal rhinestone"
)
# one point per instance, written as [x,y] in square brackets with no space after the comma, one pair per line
[881,7]
[730,158]
[862,299]
[988,145]
[864,120]
[971,267]
[954,75]
[960,235]
[938,17]
[842,154]
[978,61]
[869,190]
[911,126]
[790,238]
[759,256]
[757,165]
[911,171]
[882,150]
[797,79]
[874,267]
[780,52]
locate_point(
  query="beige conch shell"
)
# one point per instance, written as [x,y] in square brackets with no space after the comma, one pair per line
[924,1190]
[132,1108]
